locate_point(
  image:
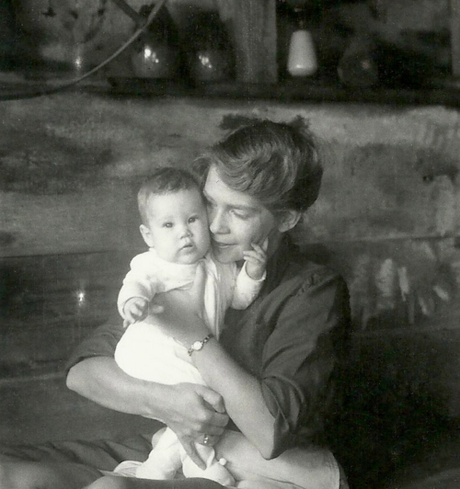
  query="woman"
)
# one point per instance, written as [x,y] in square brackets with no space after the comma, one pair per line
[272,374]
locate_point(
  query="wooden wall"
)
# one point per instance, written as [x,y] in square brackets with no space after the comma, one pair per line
[388,219]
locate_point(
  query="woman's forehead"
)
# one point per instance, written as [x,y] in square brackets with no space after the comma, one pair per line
[216,190]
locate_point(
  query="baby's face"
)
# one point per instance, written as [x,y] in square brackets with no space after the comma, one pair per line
[178,226]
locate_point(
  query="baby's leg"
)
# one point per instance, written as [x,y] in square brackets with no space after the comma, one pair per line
[215,470]
[37,475]
[164,460]
[306,468]
[145,352]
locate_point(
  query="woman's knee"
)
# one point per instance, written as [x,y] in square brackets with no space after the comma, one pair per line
[109,482]
[19,475]
[38,475]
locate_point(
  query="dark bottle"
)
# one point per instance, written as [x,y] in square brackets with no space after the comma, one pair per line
[156,53]
[209,50]
[358,66]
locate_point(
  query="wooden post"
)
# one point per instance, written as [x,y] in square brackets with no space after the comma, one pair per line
[455,36]
[254,29]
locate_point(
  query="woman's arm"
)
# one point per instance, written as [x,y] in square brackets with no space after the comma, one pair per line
[102,381]
[242,394]
[189,410]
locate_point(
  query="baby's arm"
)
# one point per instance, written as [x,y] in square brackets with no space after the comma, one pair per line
[135,309]
[138,290]
[256,262]
[250,278]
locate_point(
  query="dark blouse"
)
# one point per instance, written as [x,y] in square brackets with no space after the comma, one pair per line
[291,338]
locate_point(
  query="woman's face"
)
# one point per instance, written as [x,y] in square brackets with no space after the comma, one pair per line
[236,220]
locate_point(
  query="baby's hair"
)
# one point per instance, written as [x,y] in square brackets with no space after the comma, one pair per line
[164,180]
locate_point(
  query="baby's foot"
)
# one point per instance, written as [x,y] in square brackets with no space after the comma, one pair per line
[215,471]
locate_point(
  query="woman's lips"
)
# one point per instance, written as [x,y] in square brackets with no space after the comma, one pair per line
[217,244]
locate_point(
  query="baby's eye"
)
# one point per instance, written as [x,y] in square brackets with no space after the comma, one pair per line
[193,219]
[168,225]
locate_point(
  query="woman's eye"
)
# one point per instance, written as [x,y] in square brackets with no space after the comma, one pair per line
[240,215]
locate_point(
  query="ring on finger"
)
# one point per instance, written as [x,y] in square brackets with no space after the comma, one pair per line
[205,439]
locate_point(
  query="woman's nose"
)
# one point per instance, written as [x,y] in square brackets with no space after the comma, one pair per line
[217,223]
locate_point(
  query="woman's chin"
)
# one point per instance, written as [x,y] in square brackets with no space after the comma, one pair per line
[226,254]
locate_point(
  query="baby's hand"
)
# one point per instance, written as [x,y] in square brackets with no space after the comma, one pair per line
[134,309]
[256,260]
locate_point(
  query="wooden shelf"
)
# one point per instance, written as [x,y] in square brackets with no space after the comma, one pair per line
[289,92]
[254,27]
[445,92]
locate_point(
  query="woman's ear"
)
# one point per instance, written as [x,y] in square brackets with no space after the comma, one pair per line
[288,220]
[147,235]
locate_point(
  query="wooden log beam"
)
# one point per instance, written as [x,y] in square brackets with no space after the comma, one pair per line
[49,303]
[254,28]
[70,166]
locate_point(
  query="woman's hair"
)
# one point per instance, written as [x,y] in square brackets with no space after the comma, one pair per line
[164,180]
[277,163]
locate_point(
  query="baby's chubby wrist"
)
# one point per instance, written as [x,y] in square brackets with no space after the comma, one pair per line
[135,302]
[134,309]
[257,275]
[255,261]
[254,272]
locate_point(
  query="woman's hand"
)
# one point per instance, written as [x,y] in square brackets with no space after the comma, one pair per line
[197,411]
[183,316]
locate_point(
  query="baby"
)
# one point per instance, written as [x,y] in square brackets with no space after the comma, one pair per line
[175,228]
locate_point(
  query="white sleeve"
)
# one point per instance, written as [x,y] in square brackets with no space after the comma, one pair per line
[140,281]
[246,289]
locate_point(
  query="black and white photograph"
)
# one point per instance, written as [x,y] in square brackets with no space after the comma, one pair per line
[229,244]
